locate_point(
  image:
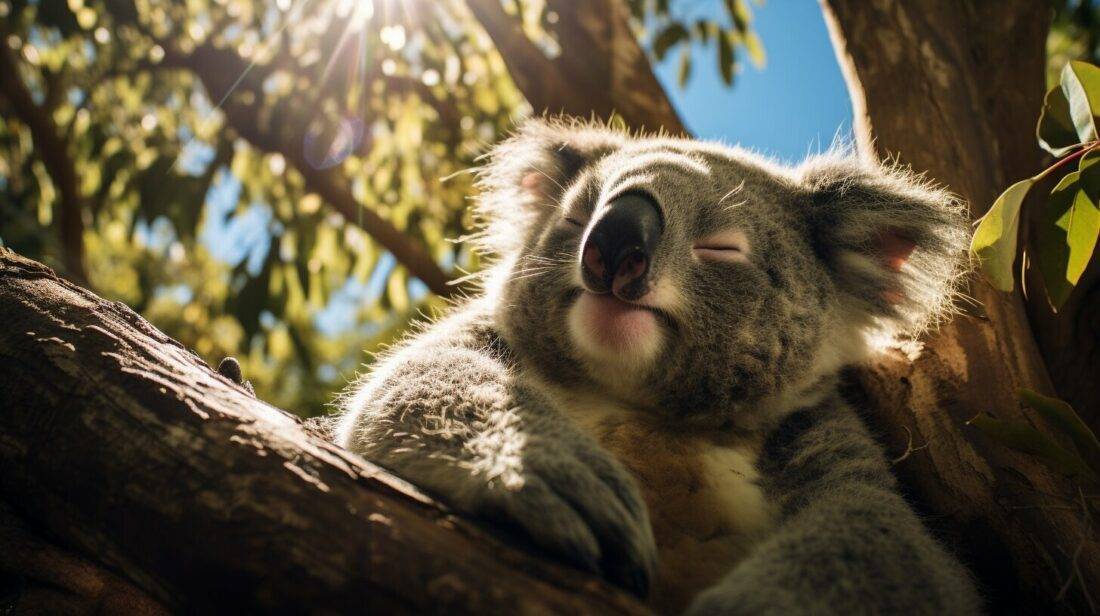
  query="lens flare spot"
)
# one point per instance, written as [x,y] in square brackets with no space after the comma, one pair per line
[329,145]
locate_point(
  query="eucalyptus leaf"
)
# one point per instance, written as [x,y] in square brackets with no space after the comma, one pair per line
[725,59]
[1024,438]
[672,35]
[1068,230]
[397,290]
[1081,86]
[1055,131]
[994,241]
[740,14]
[1063,418]
[705,29]
[755,49]
[685,66]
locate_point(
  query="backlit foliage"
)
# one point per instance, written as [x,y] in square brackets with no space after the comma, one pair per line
[229,155]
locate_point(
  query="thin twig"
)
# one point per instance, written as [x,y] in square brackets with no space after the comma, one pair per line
[909,449]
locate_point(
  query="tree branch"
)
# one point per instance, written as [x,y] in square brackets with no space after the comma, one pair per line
[54,581]
[127,449]
[218,70]
[601,71]
[52,150]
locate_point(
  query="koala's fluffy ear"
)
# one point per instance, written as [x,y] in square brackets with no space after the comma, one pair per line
[529,172]
[896,244]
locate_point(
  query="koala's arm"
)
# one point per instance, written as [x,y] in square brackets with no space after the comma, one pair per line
[847,542]
[451,412]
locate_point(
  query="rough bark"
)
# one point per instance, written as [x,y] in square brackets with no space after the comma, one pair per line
[953,89]
[121,446]
[39,578]
[601,71]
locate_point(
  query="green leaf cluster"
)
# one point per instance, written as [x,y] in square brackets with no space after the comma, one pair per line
[670,29]
[1069,222]
[165,155]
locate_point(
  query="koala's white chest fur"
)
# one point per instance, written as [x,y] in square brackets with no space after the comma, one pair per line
[704,501]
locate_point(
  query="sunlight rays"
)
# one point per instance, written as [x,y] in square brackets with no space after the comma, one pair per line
[331,145]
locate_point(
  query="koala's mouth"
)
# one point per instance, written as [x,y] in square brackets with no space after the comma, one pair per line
[663,316]
[666,318]
[611,330]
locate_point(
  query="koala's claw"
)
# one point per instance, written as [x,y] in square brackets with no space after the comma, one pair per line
[230,368]
[587,509]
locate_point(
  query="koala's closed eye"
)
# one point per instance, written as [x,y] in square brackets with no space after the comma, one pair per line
[728,246]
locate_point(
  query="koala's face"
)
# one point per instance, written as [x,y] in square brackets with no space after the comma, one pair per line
[698,279]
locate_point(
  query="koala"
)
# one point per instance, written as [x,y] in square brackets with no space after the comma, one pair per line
[646,383]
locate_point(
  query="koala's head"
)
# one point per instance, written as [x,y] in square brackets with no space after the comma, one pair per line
[700,279]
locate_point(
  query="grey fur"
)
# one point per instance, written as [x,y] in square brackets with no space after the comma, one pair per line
[847,542]
[751,349]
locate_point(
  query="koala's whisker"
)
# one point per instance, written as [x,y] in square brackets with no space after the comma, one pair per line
[735,205]
[733,191]
[535,263]
[530,272]
[563,260]
[559,258]
[535,268]
[547,176]
[527,275]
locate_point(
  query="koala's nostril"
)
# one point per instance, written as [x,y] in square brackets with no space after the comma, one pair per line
[593,262]
[631,268]
[620,244]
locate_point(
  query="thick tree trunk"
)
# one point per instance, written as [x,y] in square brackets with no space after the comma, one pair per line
[118,444]
[954,89]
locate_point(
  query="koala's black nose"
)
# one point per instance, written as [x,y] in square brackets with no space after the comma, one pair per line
[619,247]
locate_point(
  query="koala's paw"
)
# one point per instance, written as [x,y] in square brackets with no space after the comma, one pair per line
[230,368]
[577,501]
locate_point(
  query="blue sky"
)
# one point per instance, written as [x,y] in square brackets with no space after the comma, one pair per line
[796,104]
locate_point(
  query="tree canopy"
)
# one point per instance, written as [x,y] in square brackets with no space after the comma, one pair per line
[281,181]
